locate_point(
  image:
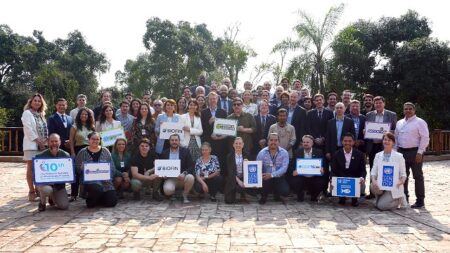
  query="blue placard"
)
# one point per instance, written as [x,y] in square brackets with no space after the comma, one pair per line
[53,170]
[252,174]
[346,187]
[388,176]
[96,172]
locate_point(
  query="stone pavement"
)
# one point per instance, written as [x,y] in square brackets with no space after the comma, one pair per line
[144,226]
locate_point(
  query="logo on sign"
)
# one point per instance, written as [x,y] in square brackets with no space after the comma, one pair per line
[346,187]
[374,131]
[252,174]
[167,168]
[96,171]
[388,176]
[50,167]
[172,131]
[225,127]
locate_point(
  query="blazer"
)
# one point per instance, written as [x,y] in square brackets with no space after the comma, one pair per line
[299,123]
[230,177]
[208,128]
[315,126]
[29,131]
[55,125]
[331,138]
[187,164]
[196,131]
[262,133]
[300,153]
[388,117]
[357,166]
[230,105]
[395,157]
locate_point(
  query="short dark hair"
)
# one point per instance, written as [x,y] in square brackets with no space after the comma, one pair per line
[348,134]
[332,94]
[177,135]
[60,100]
[145,140]
[124,102]
[390,136]
[368,95]
[319,95]
[282,110]
[410,104]
[378,98]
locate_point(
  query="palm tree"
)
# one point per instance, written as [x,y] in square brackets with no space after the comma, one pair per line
[313,36]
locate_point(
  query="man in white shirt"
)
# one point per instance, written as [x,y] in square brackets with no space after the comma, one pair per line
[81,102]
[412,138]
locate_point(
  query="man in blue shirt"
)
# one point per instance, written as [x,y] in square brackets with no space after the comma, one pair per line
[275,161]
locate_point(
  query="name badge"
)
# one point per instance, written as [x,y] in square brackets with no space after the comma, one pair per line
[122,164]
[144,132]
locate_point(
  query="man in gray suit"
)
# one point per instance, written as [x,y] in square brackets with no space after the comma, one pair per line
[379,115]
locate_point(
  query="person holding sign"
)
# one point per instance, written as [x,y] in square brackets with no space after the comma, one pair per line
[143,171]
[192,129]
[106,119]
[207,173]
[348,162]
[121,160]
[246,124]
[186,178]
[169,115]
[275,161]
[99,192]
[388,200]
[56,193]
[301,182]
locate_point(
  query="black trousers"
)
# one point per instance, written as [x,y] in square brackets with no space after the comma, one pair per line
[214,185]
[410,163]
[96,196]
[75,186]
[276,185]
[313,185]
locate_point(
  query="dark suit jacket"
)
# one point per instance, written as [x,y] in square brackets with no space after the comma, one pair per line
[230,105]
[207,128]
[357,166]
[299,123]
[388,117]
[185,159]
[230,177]
[331,139]
[315,126]
[55,125]
[300,153]
[262,133]
[360,134]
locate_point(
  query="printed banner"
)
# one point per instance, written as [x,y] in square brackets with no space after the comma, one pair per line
[388,175]
[94,172]
[346,187]
[167,168]
[110,136]
[252,174]
[53,170]
[376,130]
[225,127]
[169,128]
[309,167]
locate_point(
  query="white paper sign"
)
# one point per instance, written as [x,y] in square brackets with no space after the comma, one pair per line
[167,168]
[346,187]
[252,174]
[110,136]
[388,175]
[375,131]
[309,167]
[94,171]
[53,170]
[169,128]
[225,127]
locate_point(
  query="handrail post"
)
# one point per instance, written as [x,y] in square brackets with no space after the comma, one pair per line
[438,140]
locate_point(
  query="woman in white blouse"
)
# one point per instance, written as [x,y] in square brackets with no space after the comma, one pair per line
[249,107]
[388,200]
[192,129]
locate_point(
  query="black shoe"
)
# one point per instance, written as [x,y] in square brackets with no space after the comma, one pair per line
[355,202]
[72,199]
[50,202]
[119,194]
[136,195]
[418,205]
[41,207]
[341,201]
[370,196]
[262,200]
[213,198]
[157,196]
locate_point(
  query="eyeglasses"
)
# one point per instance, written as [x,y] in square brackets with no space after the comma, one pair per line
[155,105]
[237,104]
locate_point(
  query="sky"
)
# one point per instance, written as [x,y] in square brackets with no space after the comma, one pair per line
[116,28]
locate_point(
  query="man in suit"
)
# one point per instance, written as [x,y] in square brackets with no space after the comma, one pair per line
[208,117]
[224,102]
[296,117]
[263,122]
[60,123]
[379,115]
[186,179]
[265,95]
[359,121]
[336,127]
[348,162]
[300,183]
[201,83]
[317,120]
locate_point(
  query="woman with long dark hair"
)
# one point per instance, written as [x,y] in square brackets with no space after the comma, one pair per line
[143,127]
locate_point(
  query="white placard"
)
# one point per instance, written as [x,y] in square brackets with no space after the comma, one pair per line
[96,171]
[346,187]
[169,128]
[53,170]
[110,136]
[167,168]
[375,131]
[252,174]
[388,175]
[309,166]
[225,127]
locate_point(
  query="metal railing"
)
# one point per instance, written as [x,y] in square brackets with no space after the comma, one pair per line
[11,139]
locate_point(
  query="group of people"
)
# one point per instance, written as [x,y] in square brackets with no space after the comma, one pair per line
[276,127]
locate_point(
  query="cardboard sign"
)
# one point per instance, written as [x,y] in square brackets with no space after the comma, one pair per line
[169,128]
[53,170]
[375,131]
[252,174]
[167,168]
[225,127]
[96,171]
[346,187]
[388,175]
[110,136]
[309,167]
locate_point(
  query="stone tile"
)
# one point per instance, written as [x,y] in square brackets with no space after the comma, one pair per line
[89,243]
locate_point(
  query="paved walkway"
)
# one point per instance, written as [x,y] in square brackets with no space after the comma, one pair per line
[143,226]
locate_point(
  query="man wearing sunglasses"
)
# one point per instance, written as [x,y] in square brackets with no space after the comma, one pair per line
[246,124]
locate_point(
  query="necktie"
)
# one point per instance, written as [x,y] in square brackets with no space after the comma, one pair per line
[320,114]
[63,118]
[263,122]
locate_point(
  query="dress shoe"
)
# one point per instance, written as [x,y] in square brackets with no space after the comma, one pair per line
[41,207]
[262,200]
[341,201]
[370,196]
[355,202]
[418,205]
[156,196]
